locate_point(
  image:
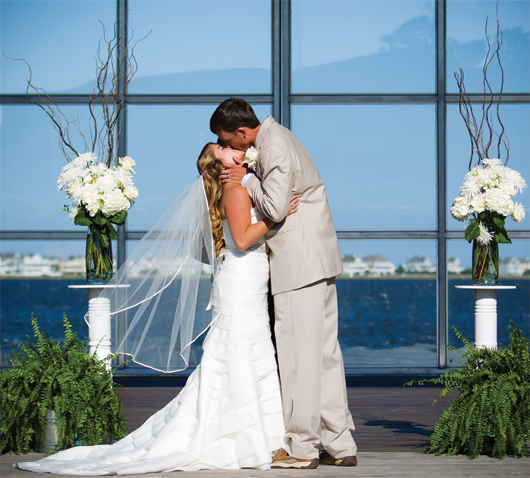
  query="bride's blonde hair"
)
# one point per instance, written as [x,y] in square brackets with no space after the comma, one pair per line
[210,169]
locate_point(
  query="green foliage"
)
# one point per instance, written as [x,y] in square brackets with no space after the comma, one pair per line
[67,379]
[493,222]
[491,415]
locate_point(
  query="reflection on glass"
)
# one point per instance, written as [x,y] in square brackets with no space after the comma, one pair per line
[363,47]
[35,278]
[31,161]
[58,39]
[467,45]
[377,162]
[511,304]
[516,120]
[387,303]
[165,141]
[196,47]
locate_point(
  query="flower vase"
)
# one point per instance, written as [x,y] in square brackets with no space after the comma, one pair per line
[99,265]
[485,264]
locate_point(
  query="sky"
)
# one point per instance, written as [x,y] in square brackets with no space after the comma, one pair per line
[377,161]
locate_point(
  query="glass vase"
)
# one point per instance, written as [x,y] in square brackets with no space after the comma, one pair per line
[99,265]
[485,264]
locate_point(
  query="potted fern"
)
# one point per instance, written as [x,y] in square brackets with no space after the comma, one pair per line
[47,375]
[491,415]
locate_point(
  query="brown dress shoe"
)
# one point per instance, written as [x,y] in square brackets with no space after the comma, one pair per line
[327,459]
[280,459]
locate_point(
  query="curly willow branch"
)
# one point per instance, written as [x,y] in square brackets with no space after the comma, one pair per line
[106,92]
[476,130]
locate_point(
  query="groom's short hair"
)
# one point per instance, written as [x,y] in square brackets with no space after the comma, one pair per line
[231,114]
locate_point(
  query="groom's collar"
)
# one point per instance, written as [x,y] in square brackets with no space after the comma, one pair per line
[263,131]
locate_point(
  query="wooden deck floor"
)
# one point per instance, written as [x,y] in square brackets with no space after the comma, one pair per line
[387,419]
[392,425]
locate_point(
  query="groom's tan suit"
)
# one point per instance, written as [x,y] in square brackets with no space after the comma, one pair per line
[304,261]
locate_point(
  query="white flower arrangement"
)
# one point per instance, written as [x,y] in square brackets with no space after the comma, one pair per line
[487,196]
[251,157]
[100,195]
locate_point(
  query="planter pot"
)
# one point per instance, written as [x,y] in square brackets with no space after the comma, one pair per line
[485,263]
[99,265]
[46,437]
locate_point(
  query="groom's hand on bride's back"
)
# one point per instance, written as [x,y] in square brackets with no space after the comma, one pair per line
[234,173]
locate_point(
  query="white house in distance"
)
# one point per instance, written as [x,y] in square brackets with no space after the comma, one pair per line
[419,264]
[378,265]
[10,264]
[73,266]
[35,265]
[454,266]
[509,266]
[353,266]
[524,265]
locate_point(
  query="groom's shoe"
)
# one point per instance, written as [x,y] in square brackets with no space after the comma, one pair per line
[327,459]
[280,459]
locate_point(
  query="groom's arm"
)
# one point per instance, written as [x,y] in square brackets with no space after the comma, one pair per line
[272,194]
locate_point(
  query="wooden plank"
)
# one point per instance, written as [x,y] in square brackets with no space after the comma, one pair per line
[386,418]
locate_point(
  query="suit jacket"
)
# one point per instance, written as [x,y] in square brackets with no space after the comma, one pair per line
[304,247]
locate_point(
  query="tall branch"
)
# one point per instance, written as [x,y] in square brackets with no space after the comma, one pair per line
[476,130]
[106,93]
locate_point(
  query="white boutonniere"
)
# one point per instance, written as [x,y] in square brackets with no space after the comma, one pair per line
[251,157]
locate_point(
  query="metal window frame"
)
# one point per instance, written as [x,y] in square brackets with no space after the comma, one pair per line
[281,99]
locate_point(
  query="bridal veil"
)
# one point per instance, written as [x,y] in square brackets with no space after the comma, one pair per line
[157,299]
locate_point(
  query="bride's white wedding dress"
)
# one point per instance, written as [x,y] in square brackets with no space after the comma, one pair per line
[229,414]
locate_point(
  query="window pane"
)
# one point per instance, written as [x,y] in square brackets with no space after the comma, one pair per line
[58,39]
[511,304]
[377,162]
[516,119]
[196,46]
[35,278]
[363,47]
[31,160]
[467,46]
[389,319]
[165,141]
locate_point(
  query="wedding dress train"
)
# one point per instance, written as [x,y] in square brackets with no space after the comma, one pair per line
[229,414]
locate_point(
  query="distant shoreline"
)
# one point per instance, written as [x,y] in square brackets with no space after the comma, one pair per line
[387,277]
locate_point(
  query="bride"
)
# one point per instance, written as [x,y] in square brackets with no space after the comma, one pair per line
[229,414]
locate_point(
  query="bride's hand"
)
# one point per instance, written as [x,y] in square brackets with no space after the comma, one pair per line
[293,206]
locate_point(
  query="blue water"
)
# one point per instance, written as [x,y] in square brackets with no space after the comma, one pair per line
[373,313]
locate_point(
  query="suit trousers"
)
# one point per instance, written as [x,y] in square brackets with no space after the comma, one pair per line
[314,395]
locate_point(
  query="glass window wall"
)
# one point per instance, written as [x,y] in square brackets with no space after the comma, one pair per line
[387,303]
[205,47]
[355,81]
[467,45]
[378,162]
[363,47]
[58,40]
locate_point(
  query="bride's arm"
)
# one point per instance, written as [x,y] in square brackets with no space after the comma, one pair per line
[236,204]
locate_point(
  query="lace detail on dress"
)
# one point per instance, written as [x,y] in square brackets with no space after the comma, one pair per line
[260,248]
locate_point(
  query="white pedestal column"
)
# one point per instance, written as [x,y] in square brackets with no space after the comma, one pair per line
[485,313]
[99,330]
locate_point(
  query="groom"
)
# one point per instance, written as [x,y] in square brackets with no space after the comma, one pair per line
[304,261]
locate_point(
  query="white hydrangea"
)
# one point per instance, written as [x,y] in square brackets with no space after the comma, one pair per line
[488,187]
[114,202]
[460,209]
[498,201]
[95,187]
